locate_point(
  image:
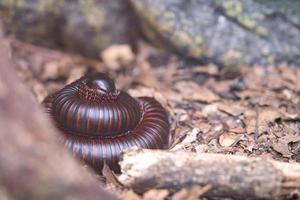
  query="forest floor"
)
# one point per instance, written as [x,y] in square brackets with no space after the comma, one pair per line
[251,111]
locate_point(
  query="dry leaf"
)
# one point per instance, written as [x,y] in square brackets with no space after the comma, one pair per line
[155,194]
[76,73]
[227,139]
[51,70]
[195,192]
[188,140]
[211,109]
[116,55]
[161,99]
[231,108]
[260,120]
[191,91]
[282,145]
[130,195]
[141,91]
[39,91]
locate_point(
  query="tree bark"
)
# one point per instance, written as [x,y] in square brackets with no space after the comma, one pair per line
[32,164]
[230,176]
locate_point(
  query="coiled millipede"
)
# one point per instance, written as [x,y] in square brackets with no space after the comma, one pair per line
[99,121]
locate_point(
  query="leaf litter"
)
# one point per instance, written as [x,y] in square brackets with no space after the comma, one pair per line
[251,111]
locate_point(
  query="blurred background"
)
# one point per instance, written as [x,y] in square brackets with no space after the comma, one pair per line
[226,32]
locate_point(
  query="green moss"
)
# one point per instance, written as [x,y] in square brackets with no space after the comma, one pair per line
[232,8]
[191,46]
[150,14]
[246,22]
[165,25]
[145,22]
[232,58]
[270,59]
[12,3]
[261,31]
[251,25]
[46,6]
[196,50]
[100,41]
[93,15]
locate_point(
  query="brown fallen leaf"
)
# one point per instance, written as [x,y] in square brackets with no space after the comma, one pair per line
[195,192]
[51,70]
[116,55]
[227,139]
[211,109]
[161,98]
[39,91]
[231,108]
[237,130]
[155,194]
[192,91]
[142,91]
[181,114]
[130,195]
[260,121]
[204,95]
[76,73]
[282,145]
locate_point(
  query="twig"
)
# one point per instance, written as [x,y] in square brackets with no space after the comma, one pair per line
[256,133]
[229,176]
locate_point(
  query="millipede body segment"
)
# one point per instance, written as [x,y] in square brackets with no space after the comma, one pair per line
[99,121]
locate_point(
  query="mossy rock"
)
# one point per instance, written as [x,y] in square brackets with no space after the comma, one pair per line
[82,26]
[226,32]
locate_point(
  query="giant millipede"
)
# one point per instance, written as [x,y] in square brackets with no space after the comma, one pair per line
[99,121]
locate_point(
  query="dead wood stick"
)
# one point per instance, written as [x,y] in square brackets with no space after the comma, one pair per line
[32,164]
[238,177]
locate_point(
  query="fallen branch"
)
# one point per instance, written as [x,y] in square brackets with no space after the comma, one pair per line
[238,177]
[32,164]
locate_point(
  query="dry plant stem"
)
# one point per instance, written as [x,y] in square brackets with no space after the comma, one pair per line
[178,138]
[32,164]
[256,133]
[230,176]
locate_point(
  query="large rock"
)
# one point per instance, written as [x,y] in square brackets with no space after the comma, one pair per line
[84,26]
[226,32]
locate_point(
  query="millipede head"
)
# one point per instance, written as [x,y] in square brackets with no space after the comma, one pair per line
[101,82]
